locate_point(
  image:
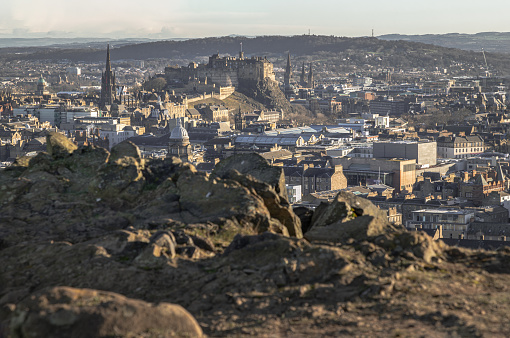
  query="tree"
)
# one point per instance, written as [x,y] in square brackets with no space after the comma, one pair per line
[157,84]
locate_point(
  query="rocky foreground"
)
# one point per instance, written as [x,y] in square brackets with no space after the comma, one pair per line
[99,244]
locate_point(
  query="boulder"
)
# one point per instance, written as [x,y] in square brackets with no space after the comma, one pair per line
[257,167]
[59,146]
[360,228]
[278,208]
[125,149]
[344,207]
[206,199]
[71,312]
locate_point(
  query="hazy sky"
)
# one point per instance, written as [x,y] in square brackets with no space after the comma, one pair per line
[202,18]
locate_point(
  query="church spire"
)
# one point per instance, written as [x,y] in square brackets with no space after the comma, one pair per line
[288,73]
[302,77]
[108,86]
[311,83]
[108,64]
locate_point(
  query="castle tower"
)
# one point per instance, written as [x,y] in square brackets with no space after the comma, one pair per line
[311,82]
[108,92]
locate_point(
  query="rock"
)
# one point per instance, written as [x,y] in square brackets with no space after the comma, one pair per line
[344,207]
[59,146]
[240,241]
[305,216]
[421,245]
[257,167]
[206,198]
[165,240]
[277,205]
[182,238]
[71,312]
[125,149]
[203,243]
[360,228]
[153,256]
[191,252]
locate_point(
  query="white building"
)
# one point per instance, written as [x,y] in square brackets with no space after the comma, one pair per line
[73,71]
[294,192]
[459,146]
[120,133]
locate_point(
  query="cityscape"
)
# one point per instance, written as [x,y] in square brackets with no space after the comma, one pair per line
[300,185]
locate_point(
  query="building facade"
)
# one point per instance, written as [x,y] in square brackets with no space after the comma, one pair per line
[459,146]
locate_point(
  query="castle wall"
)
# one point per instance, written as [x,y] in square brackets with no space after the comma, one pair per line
[223,71]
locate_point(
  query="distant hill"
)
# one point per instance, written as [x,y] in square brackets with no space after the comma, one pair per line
[66,42]
[496,42]
[333,51]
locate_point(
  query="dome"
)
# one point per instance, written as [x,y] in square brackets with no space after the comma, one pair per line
[41,81]
[179,133]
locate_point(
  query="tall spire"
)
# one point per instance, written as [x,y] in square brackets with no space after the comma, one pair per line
[108,86]
[288,73]
[311,83]
[302,78]
[108,65]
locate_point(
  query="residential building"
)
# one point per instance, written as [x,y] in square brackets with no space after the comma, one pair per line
[459,146]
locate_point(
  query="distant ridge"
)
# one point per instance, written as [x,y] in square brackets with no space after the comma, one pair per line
[336,50]
[497,42]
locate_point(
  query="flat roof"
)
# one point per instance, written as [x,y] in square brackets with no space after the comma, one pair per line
[445,211]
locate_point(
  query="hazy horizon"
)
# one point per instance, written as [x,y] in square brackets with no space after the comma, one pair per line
[163,19]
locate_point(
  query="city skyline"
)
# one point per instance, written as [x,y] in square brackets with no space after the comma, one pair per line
[191,19]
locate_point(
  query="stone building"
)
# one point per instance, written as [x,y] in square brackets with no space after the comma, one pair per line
[223,71]
[178,144]
[315,179]
[459,146]
[484,183]
[424,152]
[397,173]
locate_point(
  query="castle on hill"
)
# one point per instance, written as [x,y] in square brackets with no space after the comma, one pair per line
[222,71]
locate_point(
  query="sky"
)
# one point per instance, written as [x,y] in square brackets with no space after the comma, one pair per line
[164,19]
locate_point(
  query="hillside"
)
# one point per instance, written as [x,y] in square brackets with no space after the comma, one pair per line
[495,42]
[336,51]
[101,244]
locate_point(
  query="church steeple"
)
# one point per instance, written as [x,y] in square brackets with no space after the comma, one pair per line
[108,64]
[288,73]
[302,77]
[311,82]
[108,87]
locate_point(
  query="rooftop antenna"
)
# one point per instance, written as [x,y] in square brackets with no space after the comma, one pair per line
[309,32]
[372,32]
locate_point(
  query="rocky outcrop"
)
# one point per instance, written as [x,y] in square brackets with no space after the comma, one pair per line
[95,243]
[253,172]
[71,312]
[266,92]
